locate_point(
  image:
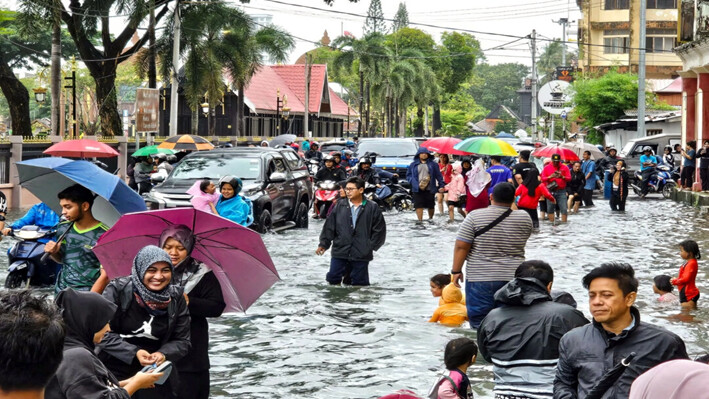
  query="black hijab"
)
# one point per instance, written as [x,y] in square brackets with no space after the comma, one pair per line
[531,181]
[85,314]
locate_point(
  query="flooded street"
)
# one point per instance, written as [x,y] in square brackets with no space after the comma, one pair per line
[306,339]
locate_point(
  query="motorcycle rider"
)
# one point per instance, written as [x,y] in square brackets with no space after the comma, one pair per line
[365,172]
[647,169]
[330,171]
[39,215]
[142,171]
[163,167]
[314,152]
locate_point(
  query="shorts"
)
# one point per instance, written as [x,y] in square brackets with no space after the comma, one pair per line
[577,197]
[683,297]
[456,204]
[424,200]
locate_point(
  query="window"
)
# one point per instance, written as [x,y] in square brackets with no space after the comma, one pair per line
[653,132]
[617,5]
[661,4]
[660,40]
[293,160]
[616,45]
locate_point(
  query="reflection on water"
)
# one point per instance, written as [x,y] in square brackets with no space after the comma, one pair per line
[305,339]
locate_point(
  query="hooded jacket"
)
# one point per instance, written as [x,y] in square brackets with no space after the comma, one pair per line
[40,215]
[81,374]
[521,339]
[412,174]
[355,243]
[676,379]
[452,312]
[456,187]
[588,352]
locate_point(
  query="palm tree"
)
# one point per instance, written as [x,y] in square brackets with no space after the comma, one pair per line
[368,54]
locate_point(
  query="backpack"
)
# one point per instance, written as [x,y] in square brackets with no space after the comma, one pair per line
[433,392]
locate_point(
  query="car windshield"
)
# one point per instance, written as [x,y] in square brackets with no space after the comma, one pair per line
[403,148]
[216,167]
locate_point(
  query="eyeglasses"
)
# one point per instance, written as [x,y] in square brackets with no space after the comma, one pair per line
[350,188]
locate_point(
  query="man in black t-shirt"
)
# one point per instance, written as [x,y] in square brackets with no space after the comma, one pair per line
[520,169]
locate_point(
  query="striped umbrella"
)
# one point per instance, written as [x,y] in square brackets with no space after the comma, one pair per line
[486,146]
[187,142]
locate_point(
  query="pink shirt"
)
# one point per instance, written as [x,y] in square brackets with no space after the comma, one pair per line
[446,390]
[201,200]
[668,298]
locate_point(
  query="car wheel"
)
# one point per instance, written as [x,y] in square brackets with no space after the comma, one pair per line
[301,216]
[15,280]
[265,222]
[667,190]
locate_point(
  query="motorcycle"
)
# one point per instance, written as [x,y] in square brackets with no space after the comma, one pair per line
[325,196]
[24,258]
[313,166]
[388,197]
[660,182]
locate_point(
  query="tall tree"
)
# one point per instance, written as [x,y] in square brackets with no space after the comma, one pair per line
[375,19]
[85,19]
[550,58]
[493,85]
[401,19]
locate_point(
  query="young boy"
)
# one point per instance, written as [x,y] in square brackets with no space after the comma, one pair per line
[81,269]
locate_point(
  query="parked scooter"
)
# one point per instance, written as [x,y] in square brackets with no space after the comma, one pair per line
[26,268]
[388,197]
[326,194]
[660,182]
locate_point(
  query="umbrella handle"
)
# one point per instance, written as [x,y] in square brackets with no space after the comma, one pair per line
[626,362]
[46,255]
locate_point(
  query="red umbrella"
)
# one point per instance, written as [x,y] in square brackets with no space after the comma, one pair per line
[443,145]
[547,151]
[83,148]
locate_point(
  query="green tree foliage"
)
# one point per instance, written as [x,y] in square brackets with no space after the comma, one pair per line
[401,19]
[494,85]
[454,123]
[375,19]
[604,99]
[460,52]
[508,123]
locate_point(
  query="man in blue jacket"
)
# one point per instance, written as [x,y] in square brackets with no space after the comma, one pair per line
[426,180]
[588,167]
[39,215]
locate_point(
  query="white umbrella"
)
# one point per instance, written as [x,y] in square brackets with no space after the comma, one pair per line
[579,149]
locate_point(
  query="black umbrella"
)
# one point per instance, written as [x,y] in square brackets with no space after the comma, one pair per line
[609,378]
[283,139]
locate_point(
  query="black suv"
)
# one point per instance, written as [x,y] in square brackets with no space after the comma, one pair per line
[275,180]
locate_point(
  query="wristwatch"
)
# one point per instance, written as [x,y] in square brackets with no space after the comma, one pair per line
[458,272]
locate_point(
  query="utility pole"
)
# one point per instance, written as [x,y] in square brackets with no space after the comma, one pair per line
[175,70]
[56,72]
[563,22]
[641,72]
[534,82]
[306,114]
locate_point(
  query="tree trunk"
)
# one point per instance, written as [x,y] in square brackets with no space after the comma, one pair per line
[419,126]
[361,102]
[436,119]
[366,123]
[56,77]
[397,123]
[152,69]
[195,122]
[402,122]
[111,124]
[18,98]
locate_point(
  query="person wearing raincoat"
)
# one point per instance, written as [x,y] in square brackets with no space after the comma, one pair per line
[233,206]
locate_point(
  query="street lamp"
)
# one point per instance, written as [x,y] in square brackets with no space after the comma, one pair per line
[279,105]
[73,95]
[205,108]
[40,92]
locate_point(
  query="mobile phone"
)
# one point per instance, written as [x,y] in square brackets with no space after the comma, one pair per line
[149,368]
[166,368]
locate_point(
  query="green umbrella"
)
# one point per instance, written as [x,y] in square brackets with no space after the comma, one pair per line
[486,146]
[150,150]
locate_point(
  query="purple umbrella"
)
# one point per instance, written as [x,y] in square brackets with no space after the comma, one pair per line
[236,255]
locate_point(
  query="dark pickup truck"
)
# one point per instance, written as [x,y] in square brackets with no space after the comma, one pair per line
[275,180]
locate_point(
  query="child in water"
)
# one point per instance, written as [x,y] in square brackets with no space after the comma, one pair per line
[459,354]
[452,312]
[438,282]
[688,292]
[663,288]
[204,196]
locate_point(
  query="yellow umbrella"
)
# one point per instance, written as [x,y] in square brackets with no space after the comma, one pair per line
[486,146]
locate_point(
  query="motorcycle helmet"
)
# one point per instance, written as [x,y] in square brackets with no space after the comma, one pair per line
[314,145]
[366,160]
[160,156]
[336,154]
[647,148]
[668,148]
[328,158]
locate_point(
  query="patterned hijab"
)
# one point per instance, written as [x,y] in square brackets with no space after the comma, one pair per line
[155,302]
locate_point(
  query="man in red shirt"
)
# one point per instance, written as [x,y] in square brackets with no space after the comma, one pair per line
[555,176]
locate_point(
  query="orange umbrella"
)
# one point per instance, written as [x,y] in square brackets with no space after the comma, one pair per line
[187,142]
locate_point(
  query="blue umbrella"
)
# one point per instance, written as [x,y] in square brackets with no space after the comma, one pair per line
[504,135]
[46,177]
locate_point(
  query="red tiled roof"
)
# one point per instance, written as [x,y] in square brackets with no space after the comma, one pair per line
[290,79]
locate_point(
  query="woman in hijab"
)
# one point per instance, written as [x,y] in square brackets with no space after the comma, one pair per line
[152,323]
[477,180]
[204,299]
[81,374]
[233,206]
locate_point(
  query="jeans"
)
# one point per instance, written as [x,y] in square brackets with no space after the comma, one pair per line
[687,176]
[348,272]
[480,299]
[588,197]
[607,185]
[561,199]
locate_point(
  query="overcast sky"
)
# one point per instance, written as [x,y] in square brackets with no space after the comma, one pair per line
[491,21]
[494,18]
